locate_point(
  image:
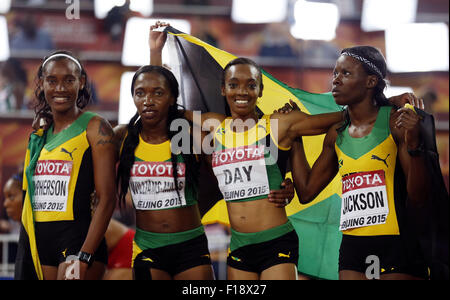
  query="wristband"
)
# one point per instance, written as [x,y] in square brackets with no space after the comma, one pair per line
[86,257]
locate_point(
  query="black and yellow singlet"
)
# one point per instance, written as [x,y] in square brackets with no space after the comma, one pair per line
[367,166]
[248,164]
[63,177]
[152,183]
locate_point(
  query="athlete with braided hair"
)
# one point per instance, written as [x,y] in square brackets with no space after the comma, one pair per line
[170,242]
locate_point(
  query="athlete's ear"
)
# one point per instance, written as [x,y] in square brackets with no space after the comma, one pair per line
[82,82]
[261,90]
[372,81]
[223,90]
[40,84]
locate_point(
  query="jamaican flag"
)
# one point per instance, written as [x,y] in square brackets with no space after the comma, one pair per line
[27,265]
[198,67]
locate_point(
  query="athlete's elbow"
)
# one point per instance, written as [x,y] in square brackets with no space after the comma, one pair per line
[417,199]
[305,198]
[107,203]
[418,193]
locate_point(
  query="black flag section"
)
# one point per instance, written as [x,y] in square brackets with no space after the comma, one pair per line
[428,223]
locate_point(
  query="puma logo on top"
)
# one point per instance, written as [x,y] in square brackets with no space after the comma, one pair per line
[380,159]
[69,153]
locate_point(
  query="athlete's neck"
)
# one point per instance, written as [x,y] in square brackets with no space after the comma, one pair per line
[243,123]
[63,120]
[363,113]
[154,135]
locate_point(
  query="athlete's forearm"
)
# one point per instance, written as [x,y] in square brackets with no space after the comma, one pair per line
[99,224]
[156,57]
[300,171]
[302,124]
[321,123]
[309,182]
[418,181]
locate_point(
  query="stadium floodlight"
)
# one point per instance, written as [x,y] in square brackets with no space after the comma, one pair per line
[102,7]
[315,20]
[383,14]
[127,109]
[397,90]
[417,47]
[136,51]
[5,5]
[145,7]
[259,11]
[4,49]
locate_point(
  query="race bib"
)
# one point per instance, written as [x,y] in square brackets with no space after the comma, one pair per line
[364,200]
[152,185]
[241,172]
[51,185]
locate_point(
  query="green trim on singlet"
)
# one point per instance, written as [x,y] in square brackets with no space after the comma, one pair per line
[240,239]
[357,147]
[75,129]
[274,174]
[151,240]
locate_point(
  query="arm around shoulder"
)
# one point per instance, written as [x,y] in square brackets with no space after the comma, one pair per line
[120,132]
[206,121]
[301,124]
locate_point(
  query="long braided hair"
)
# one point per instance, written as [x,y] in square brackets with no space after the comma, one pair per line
[134,128]
[373,63]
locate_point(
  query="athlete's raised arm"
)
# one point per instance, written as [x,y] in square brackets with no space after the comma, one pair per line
[157,40]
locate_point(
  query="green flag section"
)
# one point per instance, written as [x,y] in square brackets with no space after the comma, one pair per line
[199,68]
[318,232]
[28,265]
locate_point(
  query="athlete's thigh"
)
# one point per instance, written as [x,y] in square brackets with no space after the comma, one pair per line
[96,271]
[236,274]
[280,272]
[49,272]
[203,272]
[158,274]
[399,276]
[301,276]
[118,274]
[351,275]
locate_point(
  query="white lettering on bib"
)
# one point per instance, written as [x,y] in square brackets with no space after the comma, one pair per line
[152,185]
[241,172]
[364,200]
[51,185]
